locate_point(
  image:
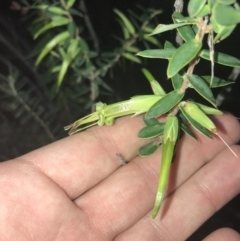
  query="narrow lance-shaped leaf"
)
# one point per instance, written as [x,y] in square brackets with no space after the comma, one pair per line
[216,82]
[193,122]
[182,56]
[148,149]
[126,22]
[221,58]
[167,103]
[56,22]
[157,53]
[70,3]
[202,88]
[51,44]
[166,27]
[209,110]
[169,140]
[151,131]
[132,57]
[149,121]
[186,31]
[57,10]
[183,123]
[156,87]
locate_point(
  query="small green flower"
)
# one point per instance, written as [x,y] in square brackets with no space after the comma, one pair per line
[105,114]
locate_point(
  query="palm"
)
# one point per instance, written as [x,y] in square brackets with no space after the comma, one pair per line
[75,190]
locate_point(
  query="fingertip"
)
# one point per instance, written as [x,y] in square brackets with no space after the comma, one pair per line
[223,234]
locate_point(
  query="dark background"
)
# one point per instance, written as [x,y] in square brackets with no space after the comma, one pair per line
[17,139]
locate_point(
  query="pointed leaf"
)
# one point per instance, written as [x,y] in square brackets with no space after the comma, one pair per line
[226,2]
[148,149]
[51,44]
[152,40]
[150,121]
[216,82]
[177,81]
[56,22]
[157,53]
[231,15]
[195,7]
[209,110]
[132,58]
[221,58]
[57,10]
[156,87]
[70,3]
[195,124]
[165,104]
[202,88]
[151,131]
[184,126]
[182,56]
[126,22]
[168,45]
[163,28]
[185,32]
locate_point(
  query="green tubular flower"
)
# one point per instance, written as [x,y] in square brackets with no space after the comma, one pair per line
[105,114]
[169,140]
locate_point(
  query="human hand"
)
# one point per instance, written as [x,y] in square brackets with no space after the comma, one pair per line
[74,189]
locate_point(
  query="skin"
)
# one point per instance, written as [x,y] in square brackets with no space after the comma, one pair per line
[76,188]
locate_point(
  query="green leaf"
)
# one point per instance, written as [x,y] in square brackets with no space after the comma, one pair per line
[195,7]
[149,121]
[168,45]
[206,10]
[177,81]
[221,58]
[151,131]
[156,87]
[157,53]
[216,82]
[57,10]
[51,44]
[56,22]
[148,149]
[63,71]
[226,2]
[185,32]
[126,22]
[165,104]
[163,27]
[208,110]
[183,125]
[132,58]
[152,40]
[195,124]
[70,3]
[202,88]
[231,15]
[132,49]
[182,56]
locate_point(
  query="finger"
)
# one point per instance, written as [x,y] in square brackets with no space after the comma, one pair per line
[192,203]
[129,193]
[81,161]
[223,234]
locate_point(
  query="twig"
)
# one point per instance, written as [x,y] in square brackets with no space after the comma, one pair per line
[89,25]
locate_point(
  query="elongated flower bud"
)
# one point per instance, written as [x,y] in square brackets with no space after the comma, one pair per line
[198,115]
[169,140]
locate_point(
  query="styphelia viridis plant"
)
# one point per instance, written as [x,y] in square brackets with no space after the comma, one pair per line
[205,18]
